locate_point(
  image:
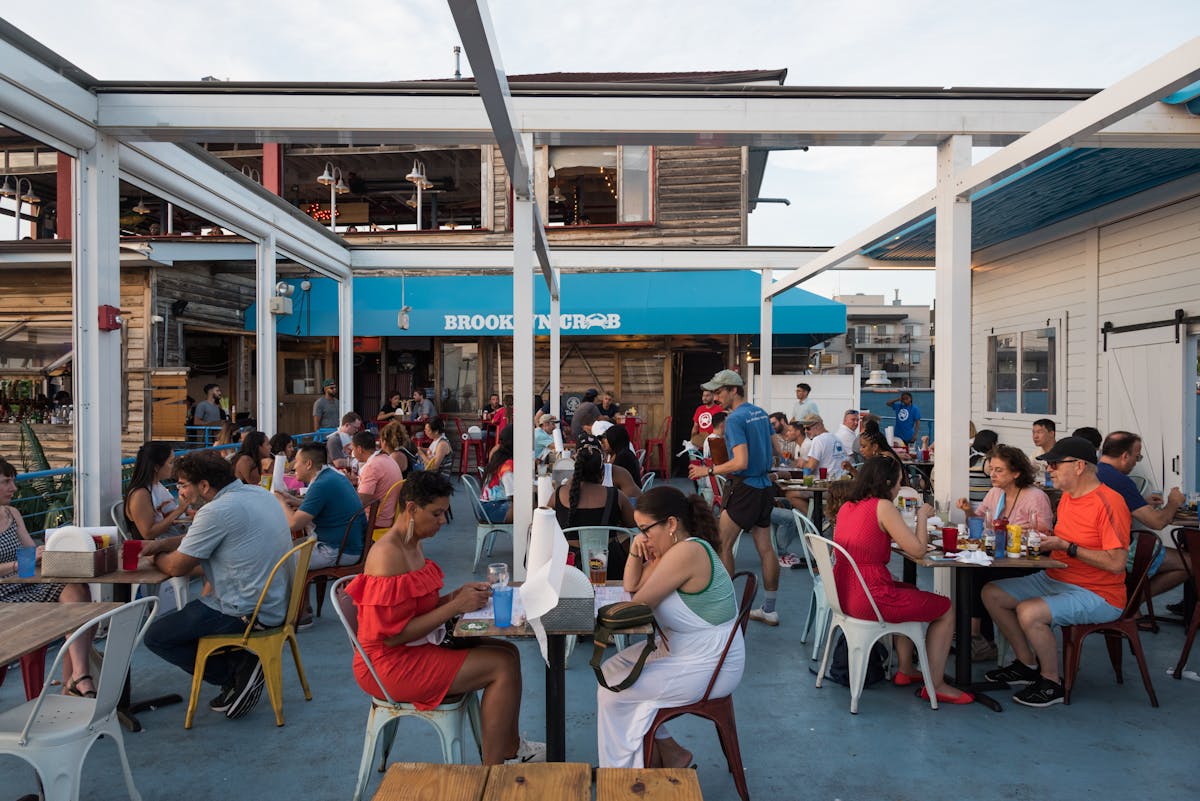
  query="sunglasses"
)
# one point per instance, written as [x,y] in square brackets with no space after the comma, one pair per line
[1054,465]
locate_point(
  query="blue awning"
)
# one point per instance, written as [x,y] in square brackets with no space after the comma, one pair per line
[593,304]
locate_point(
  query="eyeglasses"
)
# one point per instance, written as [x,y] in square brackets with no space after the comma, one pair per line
[646,529]
[1054,465]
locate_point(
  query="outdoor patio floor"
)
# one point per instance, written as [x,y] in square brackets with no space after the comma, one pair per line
[798,742]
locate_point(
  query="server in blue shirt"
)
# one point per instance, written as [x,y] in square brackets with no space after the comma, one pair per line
[749,498]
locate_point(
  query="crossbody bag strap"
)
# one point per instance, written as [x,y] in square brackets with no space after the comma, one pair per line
[602,642]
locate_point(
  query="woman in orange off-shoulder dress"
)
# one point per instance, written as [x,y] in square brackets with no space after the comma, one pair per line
[401,620]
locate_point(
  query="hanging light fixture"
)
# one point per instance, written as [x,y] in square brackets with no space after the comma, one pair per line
[417,178]
[6,189]
[557,196]
[326,178]
[417,175]
[141,207]
[332,177]
[31,196]
[340,187]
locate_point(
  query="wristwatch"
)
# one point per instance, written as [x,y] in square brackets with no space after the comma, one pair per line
[710,471]
[1072,550]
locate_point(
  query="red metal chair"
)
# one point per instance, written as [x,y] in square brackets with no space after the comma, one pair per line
[656,449]
[1187,540]
[1125,626]
[33,673]
[717,710]
[321,576]
[469,446]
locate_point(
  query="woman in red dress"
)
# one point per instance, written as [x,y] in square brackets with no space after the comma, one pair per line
[401,619]
[867,525]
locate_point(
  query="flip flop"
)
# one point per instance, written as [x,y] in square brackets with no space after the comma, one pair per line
[965,698]
[73,687]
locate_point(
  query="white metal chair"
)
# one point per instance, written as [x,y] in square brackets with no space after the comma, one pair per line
[484,528]
[180,585]
[447,718]
[54,733]
[860,635]
[816,622]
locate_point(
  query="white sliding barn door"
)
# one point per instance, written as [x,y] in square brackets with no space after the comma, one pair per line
[1145,392]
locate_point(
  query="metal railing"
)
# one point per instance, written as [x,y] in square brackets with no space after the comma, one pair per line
[46,498]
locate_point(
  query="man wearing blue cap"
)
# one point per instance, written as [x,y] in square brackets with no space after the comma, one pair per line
[749,500]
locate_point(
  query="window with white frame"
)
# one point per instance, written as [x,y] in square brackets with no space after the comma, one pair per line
[599,185]
[1022,376]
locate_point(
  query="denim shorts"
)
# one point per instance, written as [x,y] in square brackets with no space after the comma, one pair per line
[1069,604]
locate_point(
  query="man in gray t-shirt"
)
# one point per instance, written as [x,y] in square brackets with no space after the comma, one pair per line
[208,411]
[326,409]
[237,536]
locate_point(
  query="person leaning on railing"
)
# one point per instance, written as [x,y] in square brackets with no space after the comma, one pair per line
[13,535]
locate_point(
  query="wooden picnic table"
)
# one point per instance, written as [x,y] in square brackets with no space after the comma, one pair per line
[31,627]
[122,582]
[562,781]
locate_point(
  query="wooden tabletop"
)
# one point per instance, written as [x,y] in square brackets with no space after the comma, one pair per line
[562,781]
[30,626]
[146,573]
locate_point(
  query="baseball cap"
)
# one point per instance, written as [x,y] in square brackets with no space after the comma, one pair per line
[328,382]
[1070,448]
[591,394]
[547,418]
[810,419]
[599,427]
[725,378]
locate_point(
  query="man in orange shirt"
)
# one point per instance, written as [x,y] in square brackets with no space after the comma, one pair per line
[1092,538]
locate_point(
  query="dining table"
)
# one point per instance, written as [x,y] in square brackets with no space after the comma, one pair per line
[122,582]
[30,627]
[935,558]
[482,625]
[818,488]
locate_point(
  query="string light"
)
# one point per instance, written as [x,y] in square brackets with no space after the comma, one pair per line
[318,213]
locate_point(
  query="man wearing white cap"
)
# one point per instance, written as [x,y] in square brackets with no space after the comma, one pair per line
[543,435]
[748,501]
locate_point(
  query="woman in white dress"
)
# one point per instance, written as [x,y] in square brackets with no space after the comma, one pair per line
[674,568]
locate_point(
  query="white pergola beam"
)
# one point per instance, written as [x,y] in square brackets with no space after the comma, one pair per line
[1177,69]
[524,217]
[37,100]
[241,113]
[266,342]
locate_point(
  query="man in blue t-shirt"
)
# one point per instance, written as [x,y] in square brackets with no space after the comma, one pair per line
[1119,454]
[908,418]
[329,505]
[749,498]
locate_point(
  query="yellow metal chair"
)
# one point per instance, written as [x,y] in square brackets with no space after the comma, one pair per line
[392,496]
[266,644]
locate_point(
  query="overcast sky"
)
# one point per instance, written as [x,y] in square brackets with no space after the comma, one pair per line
[834,192]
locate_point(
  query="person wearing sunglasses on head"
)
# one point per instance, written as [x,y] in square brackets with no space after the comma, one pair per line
[1091,536]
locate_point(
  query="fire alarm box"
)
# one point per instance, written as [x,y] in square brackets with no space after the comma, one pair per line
[110,318]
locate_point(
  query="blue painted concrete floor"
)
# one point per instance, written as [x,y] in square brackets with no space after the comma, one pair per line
[798,742]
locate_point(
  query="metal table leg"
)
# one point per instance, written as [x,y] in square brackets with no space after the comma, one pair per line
[556,698]
[127,710]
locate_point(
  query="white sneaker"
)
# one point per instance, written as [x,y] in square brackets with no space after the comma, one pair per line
[528,751]
[770,618]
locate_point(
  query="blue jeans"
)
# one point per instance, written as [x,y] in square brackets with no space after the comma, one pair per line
[175,637]
[785,528]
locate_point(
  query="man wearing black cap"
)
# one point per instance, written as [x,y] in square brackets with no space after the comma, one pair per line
[1092,538]
[326,410]
[748,500]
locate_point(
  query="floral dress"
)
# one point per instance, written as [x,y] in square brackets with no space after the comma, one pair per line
[20,593]
[419,673]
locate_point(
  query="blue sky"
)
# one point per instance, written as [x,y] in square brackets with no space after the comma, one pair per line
[835,192]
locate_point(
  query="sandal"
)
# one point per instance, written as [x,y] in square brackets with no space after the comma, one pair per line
[73,687]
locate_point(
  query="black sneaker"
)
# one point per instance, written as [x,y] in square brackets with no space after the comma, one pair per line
[1176,609]
[224,699]
[247,690]
[1016,672]
[1042,692]
[305,622]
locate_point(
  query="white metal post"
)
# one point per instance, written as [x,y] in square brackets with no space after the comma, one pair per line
[266,343]
[345,377]
[96,277]
[556,356]
[522,368]
[765,361]
[952,360]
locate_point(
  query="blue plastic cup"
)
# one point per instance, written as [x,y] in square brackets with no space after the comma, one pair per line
[26,561]
[502,600]
[975,527]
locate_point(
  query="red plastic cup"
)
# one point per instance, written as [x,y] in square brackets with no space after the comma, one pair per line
[950,540]
[824,473]
[131,551]
[924,454]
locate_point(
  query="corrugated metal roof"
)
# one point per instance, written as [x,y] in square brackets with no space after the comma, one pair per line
[1060,187]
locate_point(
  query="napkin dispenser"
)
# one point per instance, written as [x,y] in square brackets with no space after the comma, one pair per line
[71,553]
[576,608]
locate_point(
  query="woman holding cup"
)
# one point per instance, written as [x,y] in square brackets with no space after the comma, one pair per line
[1014,496]
[15,548]
[401,623]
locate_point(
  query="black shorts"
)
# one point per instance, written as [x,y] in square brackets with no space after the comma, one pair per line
[750,507]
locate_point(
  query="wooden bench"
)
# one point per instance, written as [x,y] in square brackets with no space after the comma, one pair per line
[562,781]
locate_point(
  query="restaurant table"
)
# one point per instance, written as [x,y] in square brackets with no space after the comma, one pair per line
[31,627]
[122,582]
[816,510]
[962,609]
[563,781]
[556,670]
